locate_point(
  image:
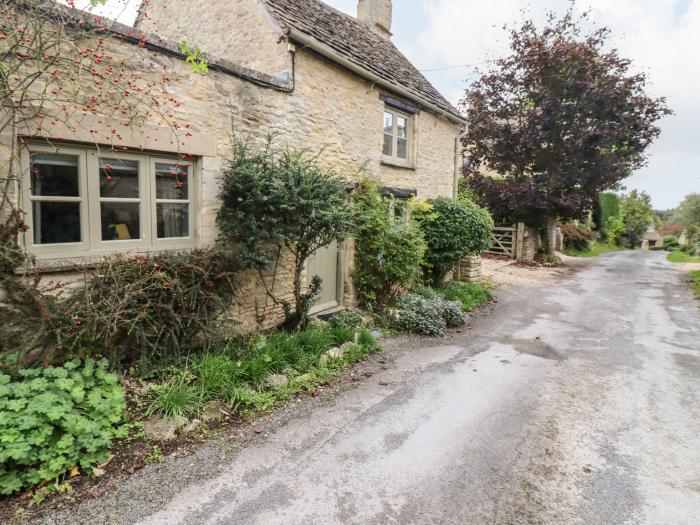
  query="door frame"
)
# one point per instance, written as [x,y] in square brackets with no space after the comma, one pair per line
[341,266]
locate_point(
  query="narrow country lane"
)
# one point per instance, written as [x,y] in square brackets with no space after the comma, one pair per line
[577,403]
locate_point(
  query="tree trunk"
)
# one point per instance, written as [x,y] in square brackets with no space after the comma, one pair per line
[551,234]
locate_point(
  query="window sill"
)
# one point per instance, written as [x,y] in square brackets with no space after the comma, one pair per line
[47,264]
[394,163]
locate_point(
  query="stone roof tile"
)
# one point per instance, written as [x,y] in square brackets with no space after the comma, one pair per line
[359,45]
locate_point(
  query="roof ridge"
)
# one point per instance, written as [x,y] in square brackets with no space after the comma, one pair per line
[354,42]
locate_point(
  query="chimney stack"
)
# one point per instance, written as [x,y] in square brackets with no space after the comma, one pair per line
[376,14]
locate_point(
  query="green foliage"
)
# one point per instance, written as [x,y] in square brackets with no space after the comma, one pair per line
[468,294]
[427,313]
[152,305]
[637,216]
[56,419]
[237,376]
[175,399]
[278,201]
[608,206]
[594,249]
[679,256]
[670,242]
[452,230]
[194,57]
[576,238]
[695,280]
[388,254]
[688,212]
[418,315]
[613,230]
[349,319]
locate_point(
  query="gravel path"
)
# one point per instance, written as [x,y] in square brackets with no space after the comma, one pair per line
[575,403]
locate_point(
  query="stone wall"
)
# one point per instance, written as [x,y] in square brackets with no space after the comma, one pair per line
[468,269]
[211,27]
[330,110]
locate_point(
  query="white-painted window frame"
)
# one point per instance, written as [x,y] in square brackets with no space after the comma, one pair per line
[394,158]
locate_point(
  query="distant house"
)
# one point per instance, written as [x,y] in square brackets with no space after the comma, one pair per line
[314,77]
[651,238]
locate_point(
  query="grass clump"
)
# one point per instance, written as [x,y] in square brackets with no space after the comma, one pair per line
[237,374]
[695,280]
[594,249]
[468,294]
[678,256]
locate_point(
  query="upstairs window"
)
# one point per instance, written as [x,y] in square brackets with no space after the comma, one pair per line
[397,133]
[84,201]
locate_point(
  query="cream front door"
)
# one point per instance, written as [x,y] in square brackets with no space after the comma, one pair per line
[324,263]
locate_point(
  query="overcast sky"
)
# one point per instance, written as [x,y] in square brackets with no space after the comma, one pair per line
[662,37]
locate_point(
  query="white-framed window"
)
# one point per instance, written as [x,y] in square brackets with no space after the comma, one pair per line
[397,136]
[86,201]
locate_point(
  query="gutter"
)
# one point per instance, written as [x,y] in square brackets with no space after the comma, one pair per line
[330,53]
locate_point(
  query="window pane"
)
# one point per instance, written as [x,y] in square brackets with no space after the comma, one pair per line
[119,178]
[56,222]
[402,148]
[388,123]
[173,220]
[171,181]
[120,221]
[388,148]
[401,127]
[54,175]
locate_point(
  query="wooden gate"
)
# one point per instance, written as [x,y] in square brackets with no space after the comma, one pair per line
[503,241]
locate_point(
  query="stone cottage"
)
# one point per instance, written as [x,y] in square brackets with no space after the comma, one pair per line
[314,77]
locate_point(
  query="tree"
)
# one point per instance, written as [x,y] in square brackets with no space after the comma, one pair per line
[637,216]
[275,202]
[688,212]
[557,122]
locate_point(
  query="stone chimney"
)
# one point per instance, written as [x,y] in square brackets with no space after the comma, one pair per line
[376,14]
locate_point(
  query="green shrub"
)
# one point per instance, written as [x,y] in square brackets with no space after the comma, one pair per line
[608,207]
[670,242]
[156,305]
[576,238]
[55,419]
[280,201]
[452,230]
[388,254]
[346,319]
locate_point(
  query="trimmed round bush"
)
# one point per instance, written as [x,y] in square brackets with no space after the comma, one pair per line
[452,230]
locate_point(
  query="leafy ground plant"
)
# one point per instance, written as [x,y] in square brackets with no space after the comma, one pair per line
[426,316]
[56,421]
